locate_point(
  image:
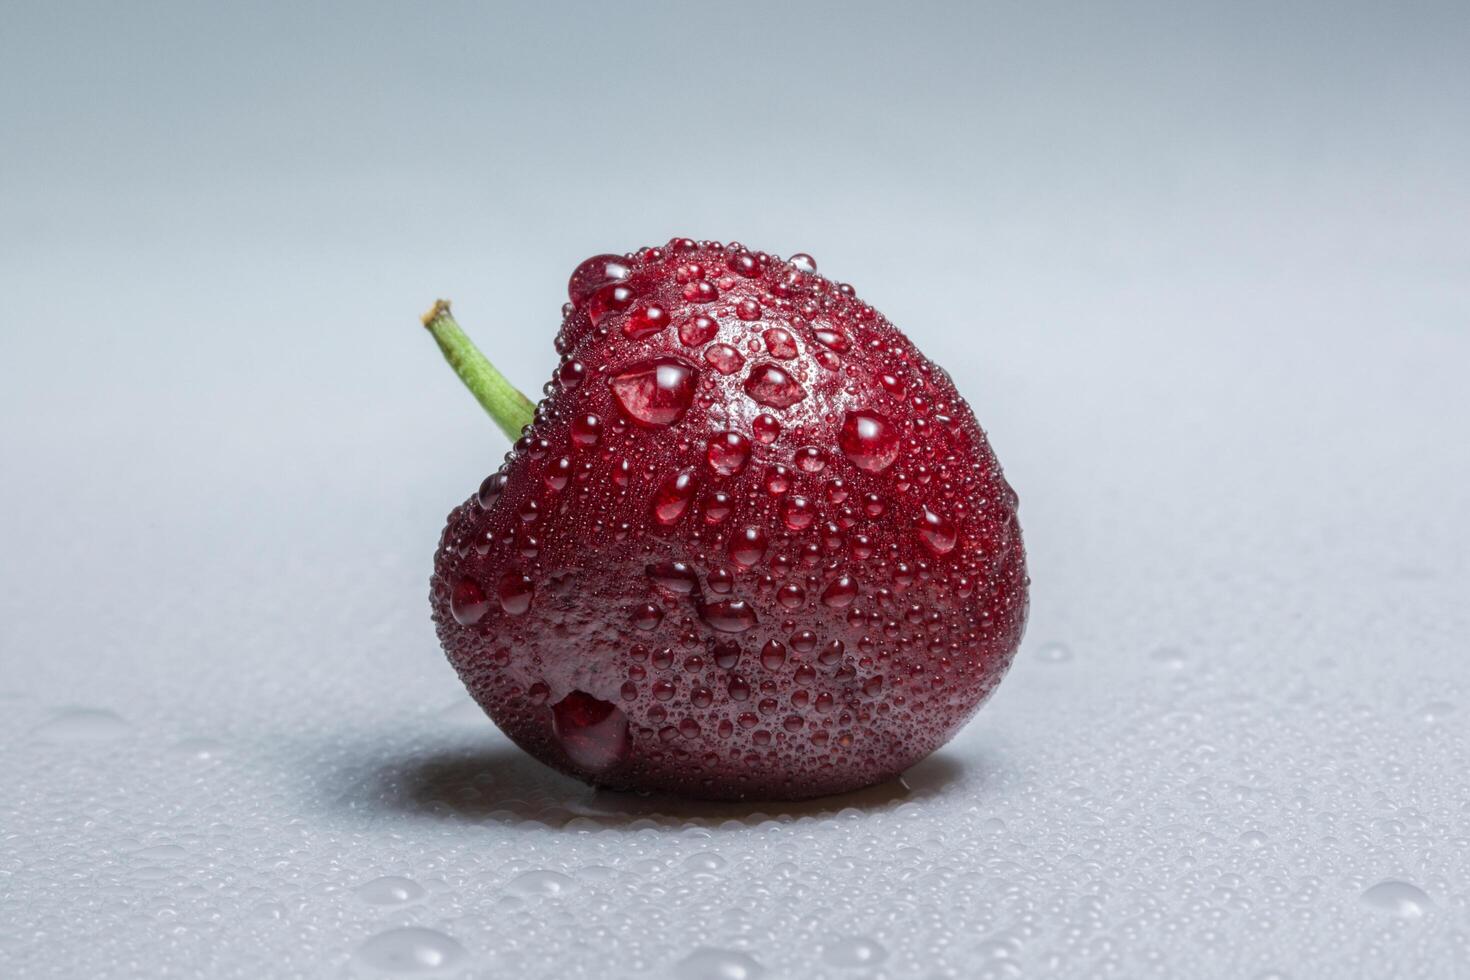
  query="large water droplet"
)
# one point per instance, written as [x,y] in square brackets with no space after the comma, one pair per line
[467,602]
[724,358]
[594,273]
[1398,898]
[411,950]
[698,330]
[607,300]
[83,725]
[779,343]
[655,393]
[646,321]
[592,732]
[772,385]
[937,532]
[390,890]
[804,262]
[869,440]
[672,497]
[727,453]
[748,545]
[515,592]
[728,615]
[706,963]
[675,576]
[798,513]
[840,592]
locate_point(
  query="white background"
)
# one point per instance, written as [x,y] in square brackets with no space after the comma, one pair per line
[1203,274]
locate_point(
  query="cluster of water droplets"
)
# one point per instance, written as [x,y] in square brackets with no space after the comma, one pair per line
[1205,824]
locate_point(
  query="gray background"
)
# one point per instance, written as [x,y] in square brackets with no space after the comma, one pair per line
[1203,273]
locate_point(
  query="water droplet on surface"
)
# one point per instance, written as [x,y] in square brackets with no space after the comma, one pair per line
[586,431]
[804,262]
[1398,899]
[748,546]
[831,339]
[548,883]
[515,592]
[797,513]
[744,264]
[594,273]
[83,725]
[724,358]
[672,498]
[674,576]
[728,615]
[698,331]
[491,489]
[701,291]
[869,440]
[390,890]
[412,949]
[646,321]
[608,300]
[655,393]
[841,592]
[706,963]
[1054,653]
[727,453]
[779,344]
[766,428]
[748,309]
[771,385]
[593,733]
[937,532]
[854,951]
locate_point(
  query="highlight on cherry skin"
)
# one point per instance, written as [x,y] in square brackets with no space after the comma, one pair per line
[750,544]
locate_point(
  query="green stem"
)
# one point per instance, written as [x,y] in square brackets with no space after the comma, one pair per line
[510,409]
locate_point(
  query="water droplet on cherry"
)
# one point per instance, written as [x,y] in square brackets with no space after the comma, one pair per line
[672,497]
[655,393]
[748,546]
[646,321]
[698,330]
[938,532]
[673,576]
[727,453]
[595,273]
[869,440]
[515,591]
[728,615]
[780,343]
[766,428]
[771,385]
[724,358]
[467,602]
[592,732]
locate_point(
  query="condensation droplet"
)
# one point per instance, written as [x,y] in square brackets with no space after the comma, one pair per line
[655,393]
[390,890]
[412,949]
[1398,898]
[83,725]
[707,963]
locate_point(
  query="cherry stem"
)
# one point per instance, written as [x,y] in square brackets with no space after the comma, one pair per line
[510,409]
